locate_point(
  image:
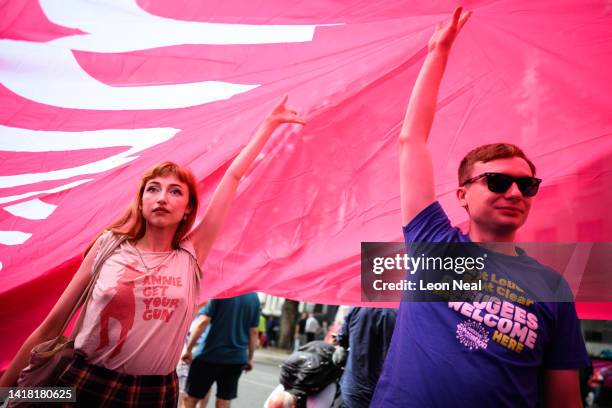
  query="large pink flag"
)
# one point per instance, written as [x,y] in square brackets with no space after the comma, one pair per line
[93,94]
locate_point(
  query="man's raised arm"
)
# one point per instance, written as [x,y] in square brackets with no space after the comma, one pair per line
[416,169]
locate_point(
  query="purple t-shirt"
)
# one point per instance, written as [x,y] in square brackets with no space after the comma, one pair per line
[476,354]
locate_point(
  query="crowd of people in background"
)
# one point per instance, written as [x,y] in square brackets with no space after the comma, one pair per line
[225,334]
[363,333]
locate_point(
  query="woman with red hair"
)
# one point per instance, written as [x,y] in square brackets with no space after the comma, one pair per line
[146,292]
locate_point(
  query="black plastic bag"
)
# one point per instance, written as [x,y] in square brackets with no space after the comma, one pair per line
[311,368]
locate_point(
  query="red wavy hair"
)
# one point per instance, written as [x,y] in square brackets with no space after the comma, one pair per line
[132,223]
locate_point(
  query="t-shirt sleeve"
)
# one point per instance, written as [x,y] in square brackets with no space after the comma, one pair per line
[187,244]
[255,314]
[431,225]
[202,310]
[98,247]
[211,308]
[566,349]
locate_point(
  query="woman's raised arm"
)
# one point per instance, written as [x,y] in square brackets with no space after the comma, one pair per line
[205,233]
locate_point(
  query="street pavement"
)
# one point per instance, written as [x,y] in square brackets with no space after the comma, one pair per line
[255,386]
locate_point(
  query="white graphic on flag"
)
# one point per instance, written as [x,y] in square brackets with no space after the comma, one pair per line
[13,237]
[122,26]
[9,199]
[49,73]
[22,140]
[32,210]
[46,73]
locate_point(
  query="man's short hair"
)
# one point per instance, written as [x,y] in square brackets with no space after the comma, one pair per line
[489,152]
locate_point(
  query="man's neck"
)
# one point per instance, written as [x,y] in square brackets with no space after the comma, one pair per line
[493,240]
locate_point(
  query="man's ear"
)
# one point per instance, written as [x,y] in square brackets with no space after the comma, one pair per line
[461,192]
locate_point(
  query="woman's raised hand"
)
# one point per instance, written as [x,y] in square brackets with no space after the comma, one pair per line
[444,35]
[205,233]
[282,114]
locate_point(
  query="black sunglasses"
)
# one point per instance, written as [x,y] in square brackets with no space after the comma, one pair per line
[500,183]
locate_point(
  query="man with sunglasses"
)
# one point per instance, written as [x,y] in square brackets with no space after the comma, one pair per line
[499,351]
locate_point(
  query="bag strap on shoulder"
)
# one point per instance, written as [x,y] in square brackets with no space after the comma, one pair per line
[108,242]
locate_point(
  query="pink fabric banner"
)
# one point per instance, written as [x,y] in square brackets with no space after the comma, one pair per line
[92,95]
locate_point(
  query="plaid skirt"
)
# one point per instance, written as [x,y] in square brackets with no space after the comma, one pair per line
[97,386]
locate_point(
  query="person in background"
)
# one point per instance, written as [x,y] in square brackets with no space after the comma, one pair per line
[272,329]
[227,351]
[312,328]
[261,329]
[323,331]
[182,369]
[300,331]
[366,334]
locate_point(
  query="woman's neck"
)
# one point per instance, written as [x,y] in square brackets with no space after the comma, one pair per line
[156,240]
